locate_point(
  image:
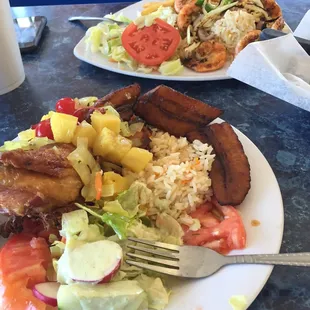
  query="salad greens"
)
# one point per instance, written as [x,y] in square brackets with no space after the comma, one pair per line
[105,38]
[131,287]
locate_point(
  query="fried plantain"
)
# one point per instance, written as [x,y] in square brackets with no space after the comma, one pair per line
[230,172]
[122,100]
[171,111]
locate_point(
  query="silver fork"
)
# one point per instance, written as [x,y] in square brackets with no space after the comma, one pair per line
[105,19]
[199,262]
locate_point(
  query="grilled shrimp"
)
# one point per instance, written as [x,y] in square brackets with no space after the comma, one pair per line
[179,4]
[250,37]
[208,56]
[278,24]
[272,8]
[186,15]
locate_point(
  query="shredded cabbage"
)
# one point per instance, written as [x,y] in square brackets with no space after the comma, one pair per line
[34,143]
[238,302]
[125,130]
[166,14]
[105,38]
[87,101]
[157,295]
[173,67]
[233,26]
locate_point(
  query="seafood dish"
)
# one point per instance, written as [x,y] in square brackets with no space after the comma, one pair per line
[166,36]
[96,171]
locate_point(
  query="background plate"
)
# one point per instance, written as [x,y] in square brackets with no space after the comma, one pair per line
[100,61]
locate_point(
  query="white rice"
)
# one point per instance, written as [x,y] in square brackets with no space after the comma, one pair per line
[178,176]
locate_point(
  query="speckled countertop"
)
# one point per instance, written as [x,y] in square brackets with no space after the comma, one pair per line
[280,130]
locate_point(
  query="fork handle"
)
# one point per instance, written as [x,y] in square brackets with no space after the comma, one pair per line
[289,259]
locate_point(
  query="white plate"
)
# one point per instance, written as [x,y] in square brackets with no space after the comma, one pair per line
[102,62]
[263,203]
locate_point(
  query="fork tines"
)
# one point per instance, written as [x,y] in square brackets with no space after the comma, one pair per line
[169,251]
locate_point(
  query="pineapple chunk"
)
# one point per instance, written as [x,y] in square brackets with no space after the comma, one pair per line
[85,130]
[136,159]
[120,183]
[63,127]
[100,121]
[47,116]
[110,146]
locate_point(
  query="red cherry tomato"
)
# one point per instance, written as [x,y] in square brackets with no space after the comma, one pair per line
[66,106]
[44,129]
[151,45]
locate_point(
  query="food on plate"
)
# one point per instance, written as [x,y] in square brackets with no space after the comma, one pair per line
[37,180]
[174,112]
[250,37]
[231,179]
[122,100]
[208,56]
[47,292]
[202,35]
[151,45]
[24,261]
[164,174]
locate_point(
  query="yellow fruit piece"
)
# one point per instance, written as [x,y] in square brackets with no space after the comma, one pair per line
[120,183]
[63,127]
[136,159]
[27,135]
[100,121]
[110,146]
[85,130]
[47,116]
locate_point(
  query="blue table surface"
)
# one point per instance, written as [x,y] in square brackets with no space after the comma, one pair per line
[280,130]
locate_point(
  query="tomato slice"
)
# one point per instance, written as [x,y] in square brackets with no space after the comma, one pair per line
[151,45]
[23,263]
[221,236]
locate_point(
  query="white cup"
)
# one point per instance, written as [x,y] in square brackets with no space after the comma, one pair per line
[12,72]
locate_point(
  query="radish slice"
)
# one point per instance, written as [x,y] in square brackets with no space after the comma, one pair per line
[94,262]
[47,292]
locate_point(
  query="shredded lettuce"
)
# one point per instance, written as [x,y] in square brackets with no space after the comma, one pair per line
[105,38]
[34,143]
[166,14]
[110,110]
[173,67]
[115,207]
[157,295]
[238,302]
[170,230]
[73,222]
[27,135]
[117,222]
[125,130]
[139,230]
[87,101]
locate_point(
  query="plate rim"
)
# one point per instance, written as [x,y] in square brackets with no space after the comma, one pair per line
[281,216]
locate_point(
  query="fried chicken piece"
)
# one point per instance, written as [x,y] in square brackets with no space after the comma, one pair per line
[58,190]
[17,201]
[122,100]
[174,112]
[230,172]
[50,159]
